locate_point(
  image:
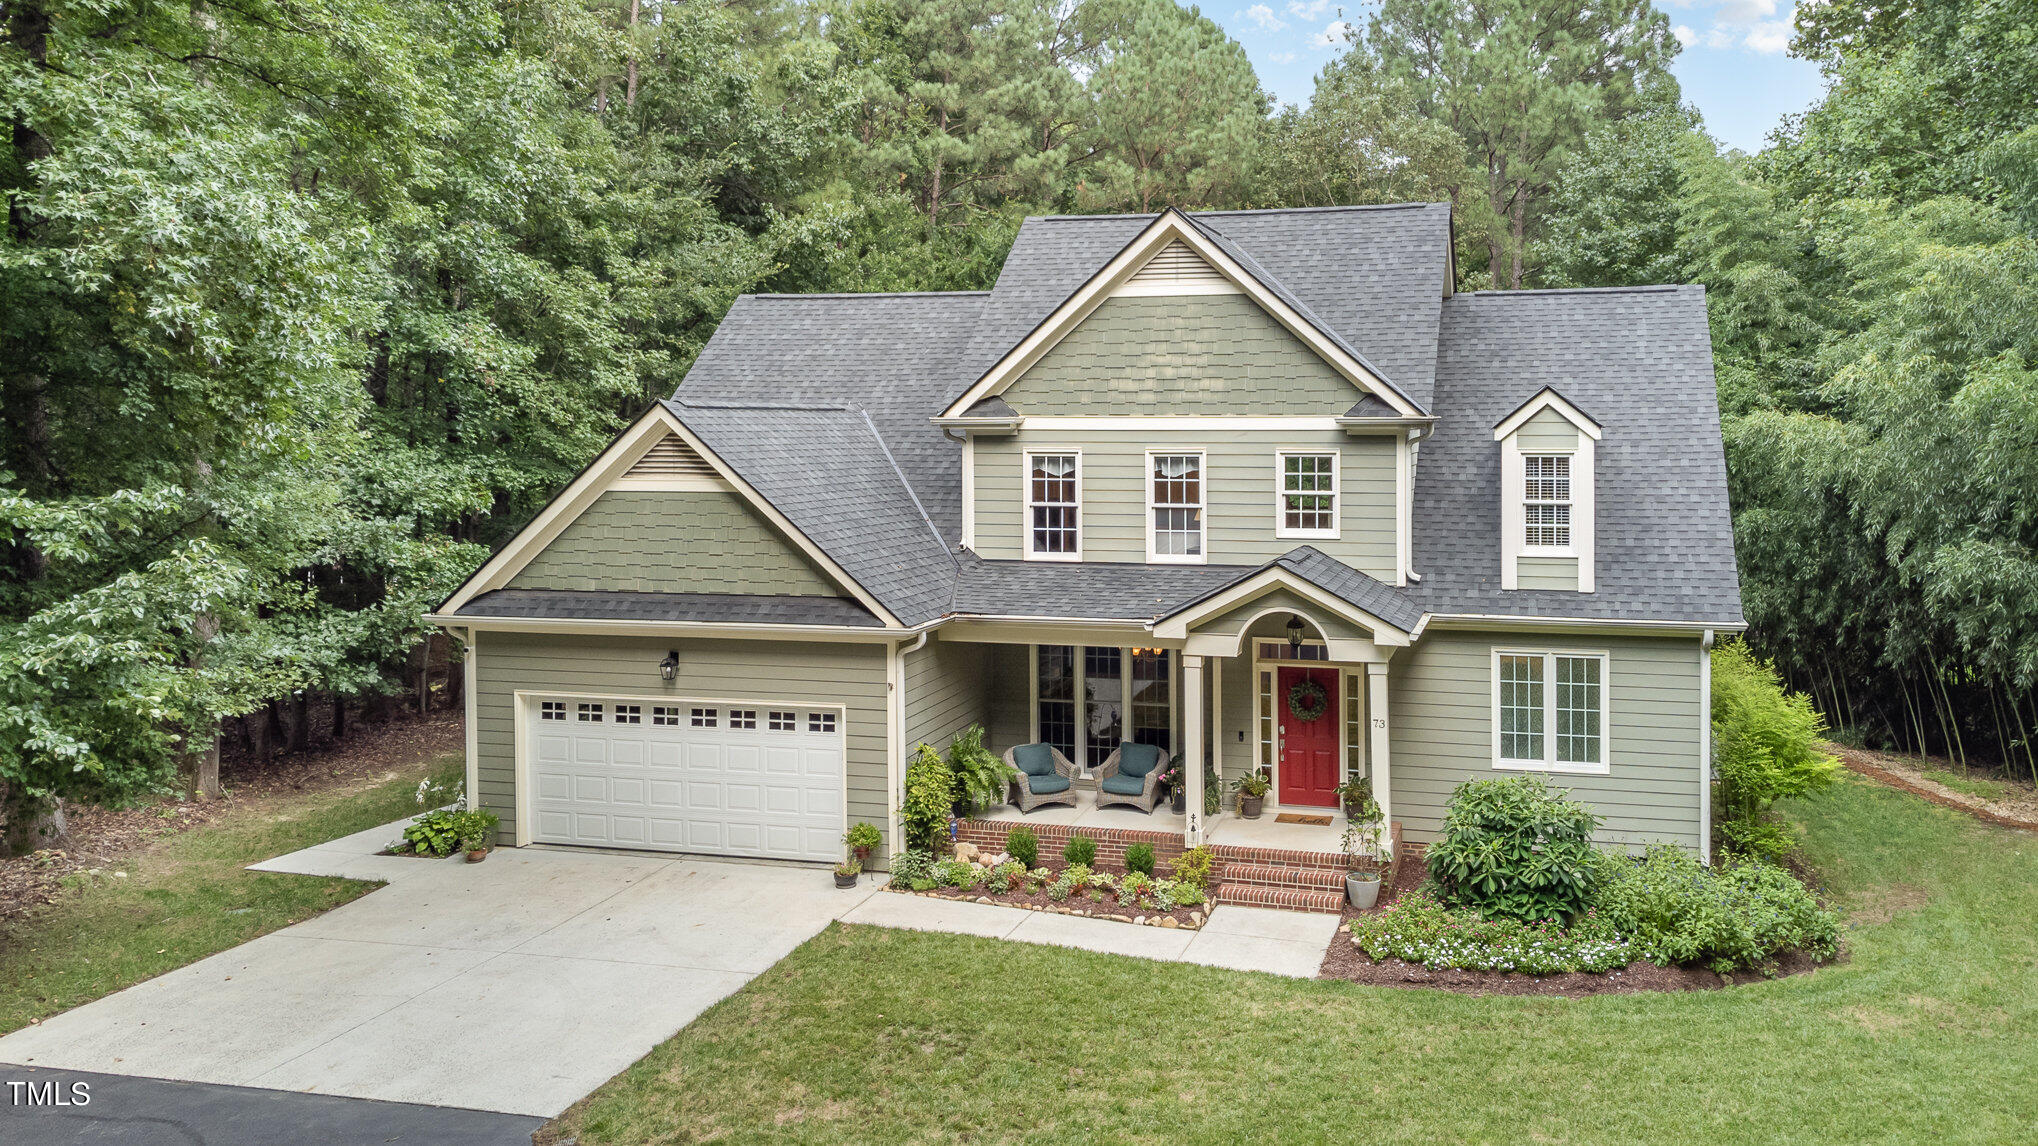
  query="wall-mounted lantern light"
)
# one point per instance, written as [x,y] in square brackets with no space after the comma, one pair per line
[1294,632]
[669,667]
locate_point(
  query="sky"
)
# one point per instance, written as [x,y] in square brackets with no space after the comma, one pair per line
[1733,67]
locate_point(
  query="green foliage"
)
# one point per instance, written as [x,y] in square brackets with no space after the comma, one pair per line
[475,829]
[1419,928]
[956,873]
[1255,784]
[1023,845]
[434,833]
[1763,839]
[979,775]
[1674,909]
[848,867]
[930,800]
[1766,742]
[1514,848]
[1079,875]
[1080,850]
[1193,868]
[1139,858]
[863,835]
[911,868]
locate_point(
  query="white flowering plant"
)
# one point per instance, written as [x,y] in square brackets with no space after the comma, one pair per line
[1420,929]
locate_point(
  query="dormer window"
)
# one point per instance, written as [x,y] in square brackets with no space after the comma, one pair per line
[1054,507]
[1546,501]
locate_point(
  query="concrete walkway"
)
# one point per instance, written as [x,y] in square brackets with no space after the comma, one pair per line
[1240,938]
[516,985]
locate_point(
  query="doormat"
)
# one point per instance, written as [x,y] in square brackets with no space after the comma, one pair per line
[1299,818]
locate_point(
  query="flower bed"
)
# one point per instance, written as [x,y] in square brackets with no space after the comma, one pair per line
[1063,889]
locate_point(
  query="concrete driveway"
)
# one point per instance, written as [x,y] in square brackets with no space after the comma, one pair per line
[516,985]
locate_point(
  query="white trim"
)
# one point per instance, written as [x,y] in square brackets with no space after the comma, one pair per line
[1404,509]
[1177,626]
[1337,505]
[969,492]
[1705,644]
[1170,225]
[1191,756]
[1547,399]
[520,767]
[1026,457]
[593,627]
[1506,621]
[469,681]
[1570,459]
[1549,762]
[672,484]
[629,446]
[1189,422]
[1513,516]
[1379,736]
[1585,512]
[1202,508]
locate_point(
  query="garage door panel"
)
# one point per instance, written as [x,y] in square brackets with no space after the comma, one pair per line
[688,782]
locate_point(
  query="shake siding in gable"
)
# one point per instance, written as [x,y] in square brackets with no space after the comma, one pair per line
[673,541]
[1547,430]
[1440,694]
[851,675]
[1202,354]
[1240,498]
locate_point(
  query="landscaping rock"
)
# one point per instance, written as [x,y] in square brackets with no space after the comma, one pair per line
[966,852]
[1170,921]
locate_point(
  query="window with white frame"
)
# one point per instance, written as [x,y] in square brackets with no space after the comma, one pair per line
[1087,699]
[1308,496]
[1054,506]
[1175,507]
[1549,711]
[1546,501]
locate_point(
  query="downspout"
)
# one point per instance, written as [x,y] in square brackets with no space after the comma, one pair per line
[1416,436]
[1705,747]
[895,749]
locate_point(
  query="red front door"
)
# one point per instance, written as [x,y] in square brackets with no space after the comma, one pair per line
[1308,773]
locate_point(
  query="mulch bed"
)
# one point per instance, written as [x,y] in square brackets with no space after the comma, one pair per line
[1344,960]
[102,837]
[1896,772]
[1079,903]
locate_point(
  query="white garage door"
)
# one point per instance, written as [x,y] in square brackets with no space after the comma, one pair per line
[692,776]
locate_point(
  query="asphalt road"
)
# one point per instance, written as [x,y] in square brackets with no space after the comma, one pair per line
[153,1112]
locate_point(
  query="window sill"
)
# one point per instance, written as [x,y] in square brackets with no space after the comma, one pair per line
[1553,767]
[1054,557]
[1176,559]
[1306,534]
[1547,551]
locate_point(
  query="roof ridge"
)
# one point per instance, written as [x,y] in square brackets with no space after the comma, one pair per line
[1249,211]
[806,409]
[865,294]
[913,495]
[1640,288]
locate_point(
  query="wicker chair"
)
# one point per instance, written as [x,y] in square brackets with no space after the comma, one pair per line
[1148,796]
[1023,796]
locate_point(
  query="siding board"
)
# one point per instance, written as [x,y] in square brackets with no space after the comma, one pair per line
[673,542]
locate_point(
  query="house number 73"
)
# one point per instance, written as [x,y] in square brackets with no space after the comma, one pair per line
[1379,722]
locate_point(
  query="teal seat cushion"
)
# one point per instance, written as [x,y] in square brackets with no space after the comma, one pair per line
[1047,785]
[1123,785]
[1035,760]
[1137,759]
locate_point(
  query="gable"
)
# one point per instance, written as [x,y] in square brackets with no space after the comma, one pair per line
[1547,430]
[1191,354]
[672,541]
[1175,269]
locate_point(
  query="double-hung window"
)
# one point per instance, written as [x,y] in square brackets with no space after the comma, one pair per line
[1054,507]
[1307,502]
[1549,711]
[1175,508]
[1546,502]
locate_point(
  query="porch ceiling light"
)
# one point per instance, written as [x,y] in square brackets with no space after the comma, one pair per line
[669,667]
[1294,631]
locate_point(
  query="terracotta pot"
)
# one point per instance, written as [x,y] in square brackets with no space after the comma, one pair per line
[863,858]
[845,881]
[477,855]
[1249,806]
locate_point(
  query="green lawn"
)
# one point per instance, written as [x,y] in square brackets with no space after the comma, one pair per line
[187,897]
[1929,1032]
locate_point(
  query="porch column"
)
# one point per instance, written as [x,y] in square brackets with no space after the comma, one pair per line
[1192,749]
[1376,722]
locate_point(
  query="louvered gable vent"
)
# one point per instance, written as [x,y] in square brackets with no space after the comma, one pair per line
[1177,265]
[671,458]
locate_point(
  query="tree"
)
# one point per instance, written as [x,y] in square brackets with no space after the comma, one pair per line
[1362,139]
[1521,82]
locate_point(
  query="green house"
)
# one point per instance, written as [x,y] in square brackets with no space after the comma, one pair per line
[1257,488]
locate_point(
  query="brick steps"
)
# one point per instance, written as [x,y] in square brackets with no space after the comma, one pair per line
[1282,875]
[1287,898]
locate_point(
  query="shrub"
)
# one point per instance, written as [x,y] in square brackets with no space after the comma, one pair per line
[1419,928]
[1080,849]
[1765,740]
[1139,858]
[435,833]
[1023,845]
[1193,868]
[979,775]
[1133,886]
[1676,910]
[1059,889]
[1514,848]
[954,873]
[1764,839]
[1000,882]
[930,797]
[909,867]
[1078,875]
[1179,893]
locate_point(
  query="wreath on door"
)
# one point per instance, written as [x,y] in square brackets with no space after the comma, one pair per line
[1307,701]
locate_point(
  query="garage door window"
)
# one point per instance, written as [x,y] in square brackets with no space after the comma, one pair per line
[703,718]
[590,713]
[629,714]
[820,722]
[552,710]
[743,718]
[785,722]
[660,714]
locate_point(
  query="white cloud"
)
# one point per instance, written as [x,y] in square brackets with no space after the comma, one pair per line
[1745,11]
[1333,34]
[1684,35]
[1282,57]
[1309,10]
[1264,16]
[1769,37]
[1717,37]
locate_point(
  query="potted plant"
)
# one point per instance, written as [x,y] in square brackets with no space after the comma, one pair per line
[1354,794]
[863,839]
[475,829]
[1252,789]
[846,873]
[1362,839]
[476,850]
[1178,792]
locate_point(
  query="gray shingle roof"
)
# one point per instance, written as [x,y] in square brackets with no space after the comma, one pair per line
[1640,360]
[1340,580]
[730,607]
[1090,590]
